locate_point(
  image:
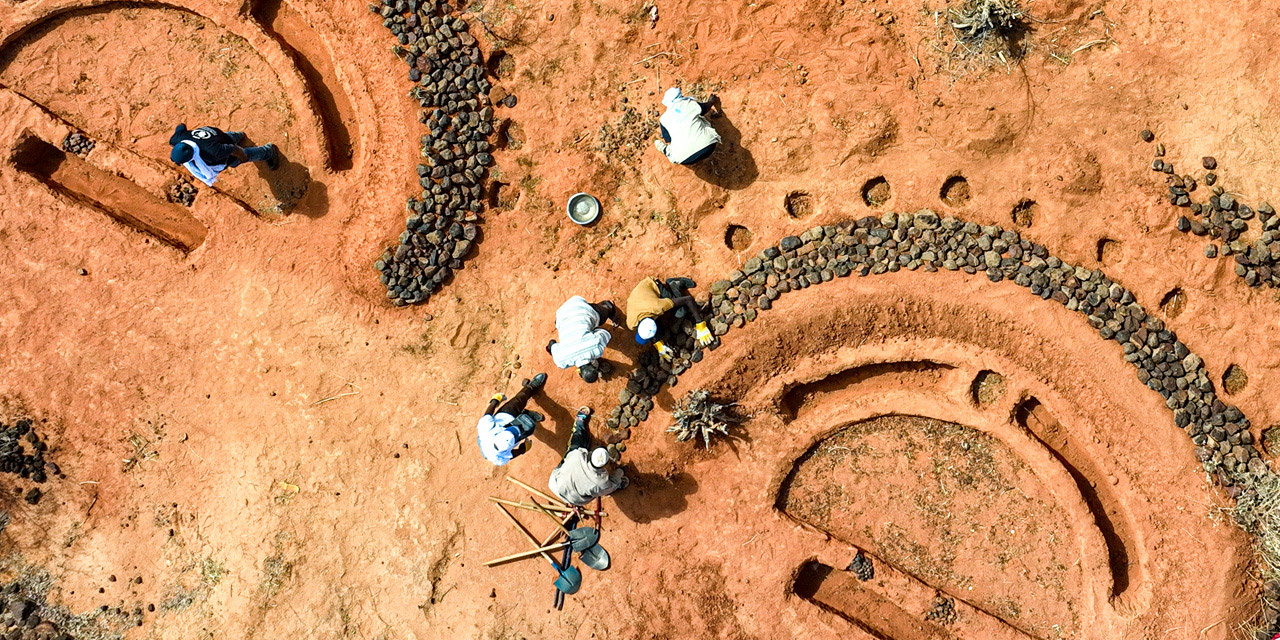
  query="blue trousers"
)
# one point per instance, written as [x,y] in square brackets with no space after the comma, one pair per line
[252,154]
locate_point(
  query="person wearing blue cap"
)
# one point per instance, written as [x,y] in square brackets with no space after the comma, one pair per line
[207,151]
[651,301]
[687,135]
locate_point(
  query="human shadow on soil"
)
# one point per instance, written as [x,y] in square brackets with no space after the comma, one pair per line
[731,166]
[292,187]
[554,431]
[653,496]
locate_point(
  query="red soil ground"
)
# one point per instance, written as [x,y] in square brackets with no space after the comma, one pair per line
[182,386]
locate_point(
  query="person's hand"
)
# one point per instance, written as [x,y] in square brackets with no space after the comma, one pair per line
[664,351]
[704,334]
[498,397]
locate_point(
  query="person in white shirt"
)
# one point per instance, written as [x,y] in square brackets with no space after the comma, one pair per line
[582,336]
[503,433]
[585,474]
[687,135]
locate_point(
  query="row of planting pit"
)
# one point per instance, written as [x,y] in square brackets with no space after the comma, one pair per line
[955,192]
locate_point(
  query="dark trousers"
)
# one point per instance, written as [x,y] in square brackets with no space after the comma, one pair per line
[579,438]
[252,154]
[515,405]
[606,310]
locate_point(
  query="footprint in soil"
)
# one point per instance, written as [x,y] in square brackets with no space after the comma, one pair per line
[653,496]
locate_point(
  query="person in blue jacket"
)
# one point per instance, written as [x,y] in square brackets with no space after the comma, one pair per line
[207,151]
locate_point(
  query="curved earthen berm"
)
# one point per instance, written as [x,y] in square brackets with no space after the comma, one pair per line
[924,241]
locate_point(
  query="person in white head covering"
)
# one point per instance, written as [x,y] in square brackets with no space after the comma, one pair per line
[687,135]
[585,474]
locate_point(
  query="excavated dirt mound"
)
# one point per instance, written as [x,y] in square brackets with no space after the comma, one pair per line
[257,443]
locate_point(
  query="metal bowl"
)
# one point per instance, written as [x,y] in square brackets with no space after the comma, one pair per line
[583,208]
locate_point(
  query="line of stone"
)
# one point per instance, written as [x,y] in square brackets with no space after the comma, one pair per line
[446,65]
[870,246]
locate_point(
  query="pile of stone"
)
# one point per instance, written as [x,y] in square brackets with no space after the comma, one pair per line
[1224,219]
[181,192]
[77,143]
[22,453]
[446,64]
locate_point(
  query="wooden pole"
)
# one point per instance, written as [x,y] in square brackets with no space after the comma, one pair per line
[553,518]
[527,506]
[539,493]
[527,554]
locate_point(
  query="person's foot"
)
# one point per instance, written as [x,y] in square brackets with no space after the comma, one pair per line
[273,161]
[662,146]
[537,417]
[537,381]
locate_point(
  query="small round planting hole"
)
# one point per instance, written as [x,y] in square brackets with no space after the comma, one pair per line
[1024,213]
[1234,380]
[955,191]
[988,387]
[501,65]
[1173,303]
[510,135]
[738,237]
[1108,252]
[1271,440]
[876,191]
[799,204]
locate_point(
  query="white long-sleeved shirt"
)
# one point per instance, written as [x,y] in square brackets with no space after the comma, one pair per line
[581,340]
[495,440]
[578,482]
[690,132]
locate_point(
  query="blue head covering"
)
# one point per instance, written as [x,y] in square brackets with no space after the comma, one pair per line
[181,153]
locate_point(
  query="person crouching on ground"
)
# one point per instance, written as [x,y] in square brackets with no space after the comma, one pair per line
[650,304]
[582,336]
[207,151]
[687,135]
[585,474]
[504,434]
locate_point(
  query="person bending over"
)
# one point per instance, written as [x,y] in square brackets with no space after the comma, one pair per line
[651,306]
[687,135]
[582,337]
[208,151]
[585,474]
